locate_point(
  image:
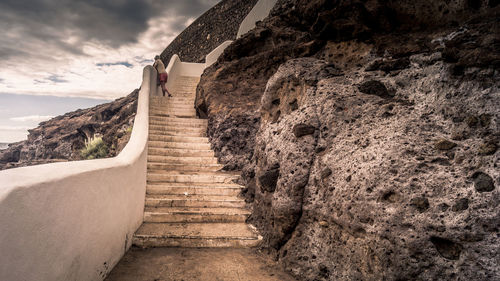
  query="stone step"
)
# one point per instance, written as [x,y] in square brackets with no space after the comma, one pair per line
[195,215]
[182,84]
[173,102]
[184,99]
[166,138]
[179,120]
[175,92]
[182,94]
[161,132]
[182,102]
[177,127]
[169,176]
[194,200]
[235,235]
[186,84]
[174,114]
[190,88]
[200,184]
[180,90]
[163,112]
[177,124]
[176,188]
[152,167]
[184,145]
[188,122]
[181,160]
[179,152]
[168,107]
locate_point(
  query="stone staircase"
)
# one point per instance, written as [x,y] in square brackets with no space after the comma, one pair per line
[189,202]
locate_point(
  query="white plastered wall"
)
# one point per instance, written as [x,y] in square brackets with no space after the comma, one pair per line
[259,12]
[75,220]
[212,57]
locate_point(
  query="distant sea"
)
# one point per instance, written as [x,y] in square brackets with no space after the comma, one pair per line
[3,145]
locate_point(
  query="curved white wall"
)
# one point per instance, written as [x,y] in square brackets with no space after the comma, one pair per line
[259,12]
[212,57]
[75,220]
[177,68]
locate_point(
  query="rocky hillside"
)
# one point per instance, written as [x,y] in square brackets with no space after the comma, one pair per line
[63,138]
[211,29]
[367,132]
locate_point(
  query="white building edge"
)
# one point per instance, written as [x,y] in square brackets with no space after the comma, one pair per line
[75,220]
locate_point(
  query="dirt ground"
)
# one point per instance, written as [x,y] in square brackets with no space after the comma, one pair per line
[189,264]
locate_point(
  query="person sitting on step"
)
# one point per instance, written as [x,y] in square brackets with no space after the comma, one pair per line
[160,67]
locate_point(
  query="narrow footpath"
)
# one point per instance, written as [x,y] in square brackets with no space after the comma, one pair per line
[194,222]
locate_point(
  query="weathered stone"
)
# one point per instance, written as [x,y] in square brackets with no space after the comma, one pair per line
[471,121]
[447,248]
[444,207]
[301,130]
[420,203]
[444,144]
[326,173]
[488,148]
[483,182]
[380,161]
[485,120]
[389,64]
[376,88]
[269,179]
[461,205]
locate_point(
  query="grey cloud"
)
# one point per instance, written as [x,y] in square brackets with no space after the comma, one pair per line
[56,79]
[28,25]
[124,63]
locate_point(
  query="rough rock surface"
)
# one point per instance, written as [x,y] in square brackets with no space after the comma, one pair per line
[375,153]
[61,138]
[211,29]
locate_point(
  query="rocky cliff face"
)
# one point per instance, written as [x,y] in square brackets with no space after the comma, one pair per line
[63,137]
[367,132]
[207,32]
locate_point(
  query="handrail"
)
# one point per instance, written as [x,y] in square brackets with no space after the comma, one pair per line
[75,220]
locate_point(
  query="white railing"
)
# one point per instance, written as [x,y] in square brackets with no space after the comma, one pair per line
[212,57]
[259,12]
[75,220]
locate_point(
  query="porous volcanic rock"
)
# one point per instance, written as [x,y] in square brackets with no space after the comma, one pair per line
[392,186]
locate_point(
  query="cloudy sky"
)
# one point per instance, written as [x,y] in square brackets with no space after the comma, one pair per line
[79,50]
